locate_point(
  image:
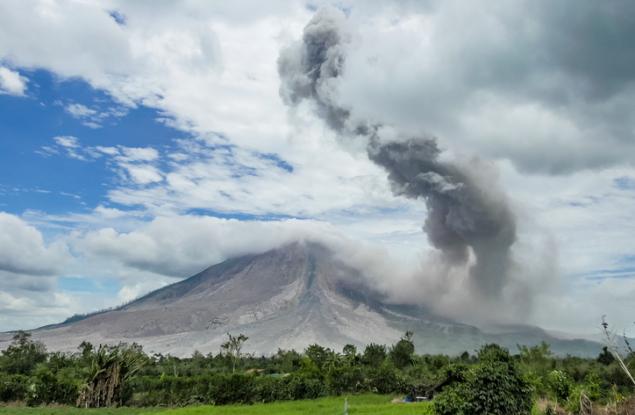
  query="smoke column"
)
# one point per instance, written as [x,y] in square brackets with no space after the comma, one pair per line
[465,212]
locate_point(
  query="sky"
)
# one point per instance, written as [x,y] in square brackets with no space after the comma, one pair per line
[141,142]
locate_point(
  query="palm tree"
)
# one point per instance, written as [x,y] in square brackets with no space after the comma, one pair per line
[110,367]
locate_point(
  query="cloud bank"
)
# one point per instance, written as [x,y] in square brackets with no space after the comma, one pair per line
[526,85]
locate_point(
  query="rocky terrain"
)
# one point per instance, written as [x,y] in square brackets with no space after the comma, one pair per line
[286,298]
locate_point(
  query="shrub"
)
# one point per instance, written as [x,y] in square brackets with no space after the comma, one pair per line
[402,352]
[493,386]
[384,379]
[13,387]
[559,384]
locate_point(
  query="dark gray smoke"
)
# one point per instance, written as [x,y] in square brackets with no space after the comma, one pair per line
[464,212]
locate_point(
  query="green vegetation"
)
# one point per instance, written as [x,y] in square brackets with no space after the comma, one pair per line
[65,410]
[494,385]
[491,381]
[364,404]
[358,404]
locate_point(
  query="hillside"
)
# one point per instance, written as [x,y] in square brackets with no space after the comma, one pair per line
[289,297]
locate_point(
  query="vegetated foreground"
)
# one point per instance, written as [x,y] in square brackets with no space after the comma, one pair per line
[316,381]
[357,404]
[64,410]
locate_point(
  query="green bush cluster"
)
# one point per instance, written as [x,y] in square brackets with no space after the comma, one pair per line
[494,385]
[492,381]
[223,388]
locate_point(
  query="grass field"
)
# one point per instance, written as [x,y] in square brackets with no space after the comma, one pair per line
[63,410]
[362,404]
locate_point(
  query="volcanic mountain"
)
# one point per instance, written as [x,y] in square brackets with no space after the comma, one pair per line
[286,298]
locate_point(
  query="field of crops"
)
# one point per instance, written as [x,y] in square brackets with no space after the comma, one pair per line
[361,405]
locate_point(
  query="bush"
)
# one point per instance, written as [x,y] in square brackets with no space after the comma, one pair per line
[13,387]
[227,389]
[559,385]
[493,386]
[48,387]
[384,379]
[305,387]
[341,378]
[403,351]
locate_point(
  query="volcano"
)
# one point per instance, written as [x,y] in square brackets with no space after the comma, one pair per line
[286,298]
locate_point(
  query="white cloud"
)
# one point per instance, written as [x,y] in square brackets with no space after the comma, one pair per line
[131,163]
[69,144]
[79,110]
[179,246]
[23,250]
[497,87]
[142,174]
[11,82]
[138,154]
[92,117]
[28,269]
[111,151]
[19,311]
[67,141]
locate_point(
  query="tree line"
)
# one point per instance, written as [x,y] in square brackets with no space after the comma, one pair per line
[490,380]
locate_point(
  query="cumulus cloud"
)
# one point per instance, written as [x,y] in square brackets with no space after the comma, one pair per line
[80,111]
[526,81]
[138,154]
[23,250]
[11,82]
[179,246]
[28,269]
[526,84]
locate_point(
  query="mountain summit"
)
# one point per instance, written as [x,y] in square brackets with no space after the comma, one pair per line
[288,297]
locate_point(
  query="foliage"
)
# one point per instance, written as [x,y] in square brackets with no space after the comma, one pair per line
[493,386]
[559,384]
[125,375]
[22,355]
[358,404]
[110,368]
[374,354]
[233,347]
[402,352]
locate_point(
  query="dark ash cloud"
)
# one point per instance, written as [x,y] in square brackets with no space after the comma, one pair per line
[465,214]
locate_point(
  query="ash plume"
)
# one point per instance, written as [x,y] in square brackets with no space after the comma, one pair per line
[467,214]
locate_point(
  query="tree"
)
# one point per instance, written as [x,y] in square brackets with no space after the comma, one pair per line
[536,362]
[402,352]
[493,386]
[110,368]
[318,355]
[605,357]
[233,347]
[23,354]
[374,354]
[350,353]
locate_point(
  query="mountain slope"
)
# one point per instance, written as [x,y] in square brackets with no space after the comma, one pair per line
[285,298]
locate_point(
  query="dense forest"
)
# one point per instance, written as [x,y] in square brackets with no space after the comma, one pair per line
[491,380]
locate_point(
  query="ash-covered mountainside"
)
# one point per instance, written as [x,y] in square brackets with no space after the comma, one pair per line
[285,298]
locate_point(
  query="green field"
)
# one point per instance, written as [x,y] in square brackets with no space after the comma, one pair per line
[63,410]
[362,404]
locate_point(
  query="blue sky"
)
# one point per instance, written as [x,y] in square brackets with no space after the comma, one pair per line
[141,143]
[30,123]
